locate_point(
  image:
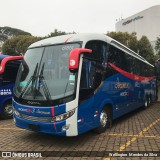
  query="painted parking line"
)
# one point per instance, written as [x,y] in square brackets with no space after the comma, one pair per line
[133,135]
[123,147]
[16,129]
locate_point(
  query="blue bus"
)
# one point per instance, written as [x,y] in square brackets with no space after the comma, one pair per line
[8,70]
[70,84]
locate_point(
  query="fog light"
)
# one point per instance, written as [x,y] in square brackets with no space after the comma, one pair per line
[66,127]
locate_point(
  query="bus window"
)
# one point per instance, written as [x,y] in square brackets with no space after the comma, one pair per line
[118,58]
[87,79]
[132,64]
[99,51]
[114,56]
[11,69]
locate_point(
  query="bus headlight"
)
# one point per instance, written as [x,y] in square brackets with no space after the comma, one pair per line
[63,116]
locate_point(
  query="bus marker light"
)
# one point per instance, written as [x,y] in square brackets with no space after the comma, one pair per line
[96,114]
[72,62]
[81,120]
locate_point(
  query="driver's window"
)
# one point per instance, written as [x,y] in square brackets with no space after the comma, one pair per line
[87,74]
[87,79]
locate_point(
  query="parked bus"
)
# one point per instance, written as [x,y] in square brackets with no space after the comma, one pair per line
[8,70]
[71,84]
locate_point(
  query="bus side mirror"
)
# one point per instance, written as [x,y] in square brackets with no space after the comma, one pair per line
[74,58]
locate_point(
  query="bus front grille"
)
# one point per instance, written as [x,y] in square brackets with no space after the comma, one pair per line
[36,119]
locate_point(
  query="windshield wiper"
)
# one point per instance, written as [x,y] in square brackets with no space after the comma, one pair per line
[44,85]
[32,79]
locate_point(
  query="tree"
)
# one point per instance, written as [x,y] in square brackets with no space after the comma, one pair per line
[145,49]
[3,37]
[9,47]
[56,33]
[25,42]
[129,40]
[157,46]
[142,46]
[8,32]
[18,45]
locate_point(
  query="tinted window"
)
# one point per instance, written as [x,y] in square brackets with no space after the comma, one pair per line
[114,57]
[87,75]
[10,71]
[118,58]
[129,63]
[99,50]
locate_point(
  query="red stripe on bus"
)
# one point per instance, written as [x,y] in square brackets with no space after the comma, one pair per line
[53,111]
[130,75]
[67,40]
[53,114]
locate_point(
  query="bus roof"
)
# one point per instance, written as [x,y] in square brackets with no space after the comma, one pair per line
[71,38]
[85,37]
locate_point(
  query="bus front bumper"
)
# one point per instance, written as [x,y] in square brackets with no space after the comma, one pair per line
[57,128]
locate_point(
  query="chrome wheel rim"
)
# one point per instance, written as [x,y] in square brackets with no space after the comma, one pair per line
[8,109]
[149,100]
[103,119]
[146,103]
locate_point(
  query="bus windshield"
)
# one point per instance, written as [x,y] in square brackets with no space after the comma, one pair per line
[44,73]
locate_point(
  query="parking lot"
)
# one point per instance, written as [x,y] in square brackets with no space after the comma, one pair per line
[133,136]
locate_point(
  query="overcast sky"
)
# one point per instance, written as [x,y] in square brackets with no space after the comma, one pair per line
[41,17]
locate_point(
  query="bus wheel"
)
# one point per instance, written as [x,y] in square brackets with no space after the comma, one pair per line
[105,120]
[7,112]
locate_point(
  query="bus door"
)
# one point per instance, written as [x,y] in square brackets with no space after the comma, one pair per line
[91,78]
[86,92]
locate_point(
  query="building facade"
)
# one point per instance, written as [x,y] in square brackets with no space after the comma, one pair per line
[146,23]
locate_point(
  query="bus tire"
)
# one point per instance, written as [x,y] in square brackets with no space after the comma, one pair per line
[146,102]
[105,120]
[7,111]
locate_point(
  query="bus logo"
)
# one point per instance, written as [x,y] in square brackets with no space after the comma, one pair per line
[32,103]
[121,85]
[5,92]
[6,154]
